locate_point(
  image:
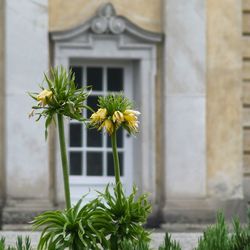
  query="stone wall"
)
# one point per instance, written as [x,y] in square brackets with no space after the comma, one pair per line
[2,103]
[147,16]
[246,94]
[203,91]
[185,99]
[224,112]
[26,53]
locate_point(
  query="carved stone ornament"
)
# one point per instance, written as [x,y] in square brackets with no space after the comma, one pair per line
[107,21]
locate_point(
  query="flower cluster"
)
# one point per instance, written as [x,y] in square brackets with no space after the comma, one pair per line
[61,96]
[115,111]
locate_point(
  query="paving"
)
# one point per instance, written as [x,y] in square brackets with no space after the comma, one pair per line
[187,240]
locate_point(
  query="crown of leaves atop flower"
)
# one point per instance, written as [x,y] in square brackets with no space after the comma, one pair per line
[115,110]
[61,96]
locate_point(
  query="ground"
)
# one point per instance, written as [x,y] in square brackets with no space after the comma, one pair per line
[187,240]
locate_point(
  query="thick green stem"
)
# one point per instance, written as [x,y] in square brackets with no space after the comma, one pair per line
[115,158]
[64,160]
[116,163]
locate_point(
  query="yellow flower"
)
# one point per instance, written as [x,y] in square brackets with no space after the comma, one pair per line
[99,115]
[130,116]
[108,125]
[44,97]
[131,112]
[118,117]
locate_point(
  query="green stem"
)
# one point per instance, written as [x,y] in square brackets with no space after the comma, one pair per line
[116,163]
[64,160]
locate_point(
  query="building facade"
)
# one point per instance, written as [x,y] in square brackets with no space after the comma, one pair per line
[185,63]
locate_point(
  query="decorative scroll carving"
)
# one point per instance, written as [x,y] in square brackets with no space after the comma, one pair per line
[107,21]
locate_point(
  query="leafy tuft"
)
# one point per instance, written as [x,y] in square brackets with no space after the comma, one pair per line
[114,102]
[128,216]
[169,244]
[77,228]
[129,245]
[67,99]
[20,244]
[216,236]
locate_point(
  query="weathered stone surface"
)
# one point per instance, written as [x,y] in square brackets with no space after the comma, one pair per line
[224,103]
[246,47]
[185,47]
[246,140]
[246,5]
[246,70]
[27,172]
[246,92]
[246,163]
[245,23]
[185,105]
[186,170]
[147,16]
[2,102]
[246,118]
[23,211]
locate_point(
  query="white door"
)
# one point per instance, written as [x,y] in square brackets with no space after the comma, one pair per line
[89,151]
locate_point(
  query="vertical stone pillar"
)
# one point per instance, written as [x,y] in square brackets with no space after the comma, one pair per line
[185,99]
[2,103]
[224,112]
[27,173]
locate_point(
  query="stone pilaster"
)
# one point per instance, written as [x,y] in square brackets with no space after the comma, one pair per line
[185,95]
[2,102]
[224,112]
[185,108]
[27,172]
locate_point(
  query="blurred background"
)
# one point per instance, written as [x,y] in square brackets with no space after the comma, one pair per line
[186,64]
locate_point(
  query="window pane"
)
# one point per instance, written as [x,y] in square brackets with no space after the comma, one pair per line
[92,102]
[78,76]
[115,79]
[94,77]
[110,164]
[75,135]
[94,164]
[119,134]
[75,163]
[94,138]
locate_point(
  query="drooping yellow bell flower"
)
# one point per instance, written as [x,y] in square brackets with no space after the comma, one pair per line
[131,112]
[44,97]
[108,125]
[130,117]
[118,117]
[99,115]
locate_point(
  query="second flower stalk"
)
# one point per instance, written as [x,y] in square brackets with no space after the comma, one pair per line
[115,112]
